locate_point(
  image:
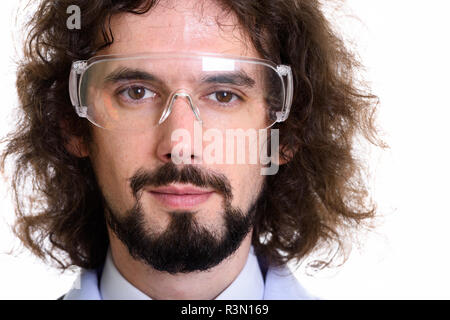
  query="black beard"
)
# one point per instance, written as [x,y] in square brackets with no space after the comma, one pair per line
[184,246]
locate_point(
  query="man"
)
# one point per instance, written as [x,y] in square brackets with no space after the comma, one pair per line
[146,216]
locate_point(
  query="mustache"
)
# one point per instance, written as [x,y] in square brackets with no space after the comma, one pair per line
[170,173]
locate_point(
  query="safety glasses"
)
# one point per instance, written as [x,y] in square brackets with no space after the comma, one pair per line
[137,92]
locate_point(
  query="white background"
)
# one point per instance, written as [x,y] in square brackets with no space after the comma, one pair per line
[405,47]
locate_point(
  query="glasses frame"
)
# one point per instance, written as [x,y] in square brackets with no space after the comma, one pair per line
[79,67]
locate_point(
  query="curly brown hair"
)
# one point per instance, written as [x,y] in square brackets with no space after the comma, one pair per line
[315,200]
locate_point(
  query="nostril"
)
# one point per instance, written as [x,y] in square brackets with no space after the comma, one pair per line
[168,156]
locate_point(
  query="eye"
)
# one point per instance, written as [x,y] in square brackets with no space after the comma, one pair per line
[223,96]
[137,93]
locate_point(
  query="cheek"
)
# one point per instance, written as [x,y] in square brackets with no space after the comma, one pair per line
[115,159]
[246,182]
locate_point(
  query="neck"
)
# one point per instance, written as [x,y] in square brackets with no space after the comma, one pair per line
[159,285]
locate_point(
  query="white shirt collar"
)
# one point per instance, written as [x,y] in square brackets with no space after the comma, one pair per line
[249,284]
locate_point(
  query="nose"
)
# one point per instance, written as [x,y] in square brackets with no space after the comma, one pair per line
[179,128]
[171,102]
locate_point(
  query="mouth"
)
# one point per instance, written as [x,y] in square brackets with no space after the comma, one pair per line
[181,196]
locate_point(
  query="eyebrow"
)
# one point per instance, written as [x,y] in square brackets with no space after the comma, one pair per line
[130,74]
[239,78]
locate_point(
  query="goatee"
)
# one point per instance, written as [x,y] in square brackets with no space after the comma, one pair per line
[185,246]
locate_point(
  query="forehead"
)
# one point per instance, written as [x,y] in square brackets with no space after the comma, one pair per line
[188,26]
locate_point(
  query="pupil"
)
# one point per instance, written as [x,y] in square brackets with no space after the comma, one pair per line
[136,92]
[224,96]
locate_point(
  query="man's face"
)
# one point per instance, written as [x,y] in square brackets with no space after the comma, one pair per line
[172,232]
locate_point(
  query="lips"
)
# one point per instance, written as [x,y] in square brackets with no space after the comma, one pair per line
[180,196]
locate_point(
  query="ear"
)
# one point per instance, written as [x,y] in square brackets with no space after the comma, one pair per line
[75,145]
[289,154]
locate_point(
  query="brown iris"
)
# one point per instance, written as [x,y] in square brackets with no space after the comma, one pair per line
[136,93]
[224,96]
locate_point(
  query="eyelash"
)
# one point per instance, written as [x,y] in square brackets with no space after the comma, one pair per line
[124,90]
[234,96]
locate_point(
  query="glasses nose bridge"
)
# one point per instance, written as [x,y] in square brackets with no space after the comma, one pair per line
[183,94]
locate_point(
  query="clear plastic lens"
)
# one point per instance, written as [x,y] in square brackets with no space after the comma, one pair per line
[135,93]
